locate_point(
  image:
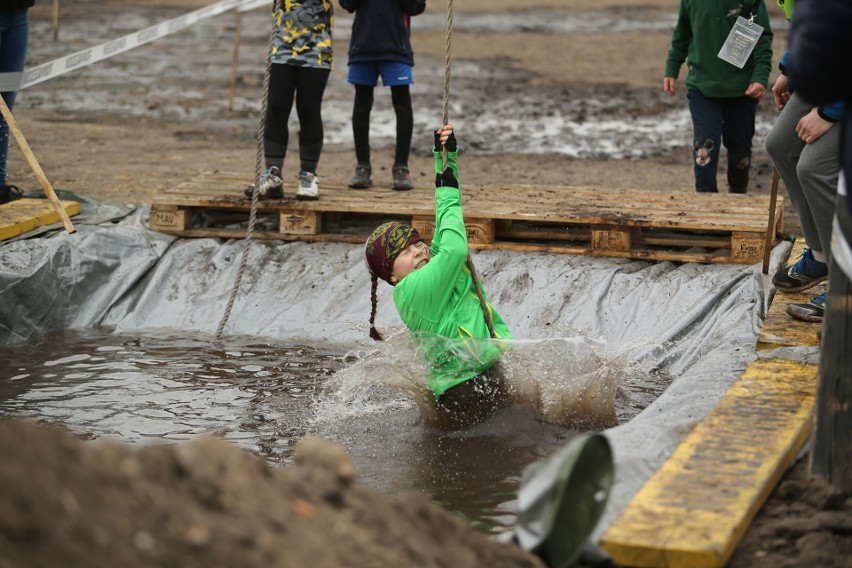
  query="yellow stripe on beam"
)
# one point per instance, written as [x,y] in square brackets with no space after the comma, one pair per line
[693,512]
[23,215]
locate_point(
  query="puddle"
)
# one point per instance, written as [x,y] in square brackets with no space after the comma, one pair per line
[265,396]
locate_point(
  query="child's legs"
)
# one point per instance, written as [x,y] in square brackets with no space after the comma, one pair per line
[737,134]
[707,136]
[398,76]
[473,400]
[279,102]
[361,122]
[14,29]
[310,87]
[401,98]
[365,76]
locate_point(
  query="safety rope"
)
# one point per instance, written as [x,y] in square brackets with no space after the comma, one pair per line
[486,311]
[259,169]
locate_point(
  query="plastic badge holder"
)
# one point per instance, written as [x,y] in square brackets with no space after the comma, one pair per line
[741,41]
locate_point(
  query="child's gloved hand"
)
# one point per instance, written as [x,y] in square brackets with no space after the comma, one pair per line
[446,179]
[450,144]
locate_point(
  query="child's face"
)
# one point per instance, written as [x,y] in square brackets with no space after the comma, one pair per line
[413,257]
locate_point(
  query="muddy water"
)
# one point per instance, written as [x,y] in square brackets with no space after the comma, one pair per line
[265,396]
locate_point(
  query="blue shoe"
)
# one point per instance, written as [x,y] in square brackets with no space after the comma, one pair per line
[806,273]
[813,311]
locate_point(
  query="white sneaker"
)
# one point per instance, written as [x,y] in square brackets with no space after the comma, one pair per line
[308,186]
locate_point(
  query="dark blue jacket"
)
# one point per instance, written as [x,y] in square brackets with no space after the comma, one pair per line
[382,29]
[10,5]
[820,50]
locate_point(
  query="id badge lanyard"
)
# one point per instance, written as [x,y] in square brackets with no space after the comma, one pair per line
[742,39]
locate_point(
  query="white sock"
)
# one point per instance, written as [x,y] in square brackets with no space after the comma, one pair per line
[818,256]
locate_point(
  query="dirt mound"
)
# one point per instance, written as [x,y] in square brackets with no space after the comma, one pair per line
[805,522]
[66,502]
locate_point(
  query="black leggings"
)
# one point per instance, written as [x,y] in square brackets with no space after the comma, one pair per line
[401,99]
[306,86]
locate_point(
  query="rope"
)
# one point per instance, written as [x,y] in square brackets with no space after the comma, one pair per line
[259,168]
[486,311]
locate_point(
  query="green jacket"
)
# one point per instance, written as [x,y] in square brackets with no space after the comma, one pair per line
[701,30]
[439,302]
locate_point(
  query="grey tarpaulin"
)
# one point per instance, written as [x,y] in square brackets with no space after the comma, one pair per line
[698,322]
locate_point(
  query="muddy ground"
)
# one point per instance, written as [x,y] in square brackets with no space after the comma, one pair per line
[127,128]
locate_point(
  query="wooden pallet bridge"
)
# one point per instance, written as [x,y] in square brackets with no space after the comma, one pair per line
[678,226]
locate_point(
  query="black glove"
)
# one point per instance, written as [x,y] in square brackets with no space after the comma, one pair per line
[446,179]
[450,144]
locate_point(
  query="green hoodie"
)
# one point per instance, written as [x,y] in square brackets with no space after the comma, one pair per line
[439,303]
[701,30]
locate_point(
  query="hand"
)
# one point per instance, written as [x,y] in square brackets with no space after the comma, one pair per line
[444,137]
[755,90]
[781,91]
[446,179]
[669,86]
[812,126]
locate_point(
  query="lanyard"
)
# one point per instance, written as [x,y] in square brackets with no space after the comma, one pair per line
[753,12]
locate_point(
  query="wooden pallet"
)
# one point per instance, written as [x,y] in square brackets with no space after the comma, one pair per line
[679,226]
[23,215]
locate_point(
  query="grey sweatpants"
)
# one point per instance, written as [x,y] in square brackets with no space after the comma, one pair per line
[809,172]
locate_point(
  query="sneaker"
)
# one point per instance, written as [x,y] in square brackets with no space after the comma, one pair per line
[361,179]
[308,186]
[812,311]
[401,178]
[269,185]
[10,193]
[806,273]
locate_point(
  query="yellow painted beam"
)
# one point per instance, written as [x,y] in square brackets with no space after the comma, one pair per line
[779,329]
[693,512]
[23,215]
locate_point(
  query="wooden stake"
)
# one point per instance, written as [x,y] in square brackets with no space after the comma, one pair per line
[235,56]
[55,19]
[770,227]
[28,153]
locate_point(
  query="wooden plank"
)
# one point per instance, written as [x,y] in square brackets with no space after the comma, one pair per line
[23,215]
[693,512]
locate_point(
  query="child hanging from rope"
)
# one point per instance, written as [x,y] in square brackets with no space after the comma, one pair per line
[436,297]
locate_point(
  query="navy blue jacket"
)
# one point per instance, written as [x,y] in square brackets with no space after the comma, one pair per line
[820,52]
[382,29]
[10,5]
